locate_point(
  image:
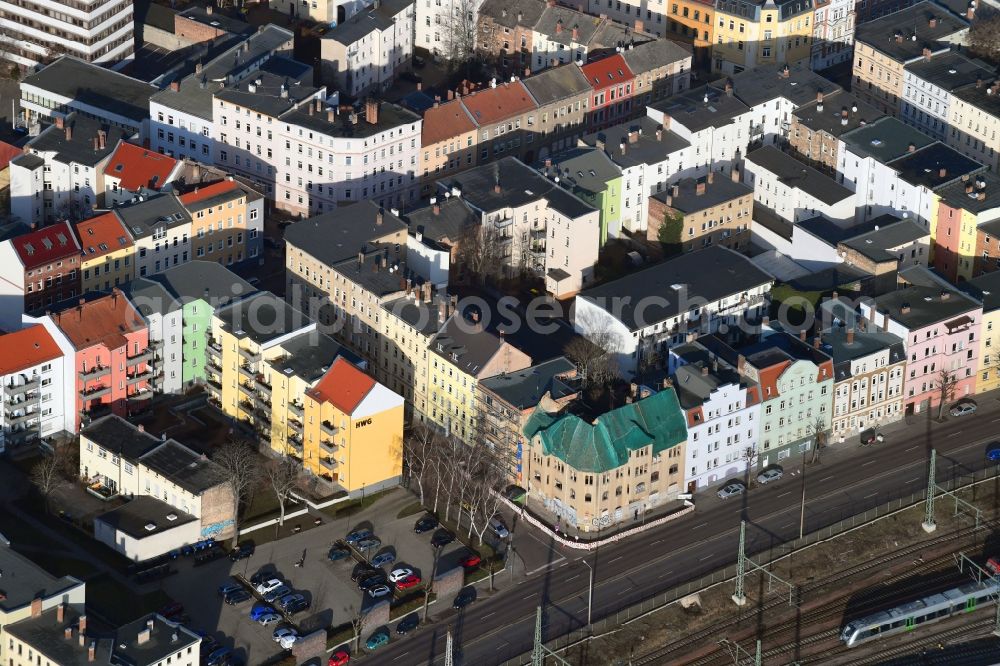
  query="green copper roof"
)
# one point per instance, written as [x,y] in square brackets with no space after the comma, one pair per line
[605,444]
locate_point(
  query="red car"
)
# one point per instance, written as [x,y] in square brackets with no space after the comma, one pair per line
[993,565]
[408,582]
[338,658]
[470,560]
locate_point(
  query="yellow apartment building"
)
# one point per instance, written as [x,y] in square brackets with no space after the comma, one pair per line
[750,34]
[353,430]
[107,253]
[409,323]
[227,221]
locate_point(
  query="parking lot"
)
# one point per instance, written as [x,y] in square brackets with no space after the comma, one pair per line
[334,598]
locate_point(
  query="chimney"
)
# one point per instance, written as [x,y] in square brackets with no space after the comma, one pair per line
[819,101]
[436,208]
[675,191]
[802,335]
[621,146]
[496,187]
[559,27]
[735,174]
[633,136]
[932,22]
[912,148]
[330,115]
[699,188]
[550,3]
[60,121]
[785,72]
[969,187]
[143,636]
[69,132]
[68,632]
[927,54]
[61,613]
[905,308]
[741,363]
[817,342]
[640,26]
[208,10]
[970,13]
[704,371]
[103,137]
[899,37]
[81,626]
[981,196]
[97,142]
[426,288]
[371,111]
[576,33]
[92,651]
[729,87]
[945,295]
[197,67]
[850,335]
[942,172]
[142,428]
[659,133]
[979,82]
[312,109]
[175,85]
[36,607]
[451,95]
[711,177]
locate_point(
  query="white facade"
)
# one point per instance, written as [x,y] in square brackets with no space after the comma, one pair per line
[365,53]
[434,22]
[36,402]
[833,34]
[809,251]
[925,105]
[100,31]
[165,249]
[166,336]
[63,385]
[430,261]
[27,205]
[713,147]
[159,541]
[795,203]
[718,440]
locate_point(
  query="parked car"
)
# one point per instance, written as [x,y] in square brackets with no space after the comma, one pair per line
[425,524]
[289,599]
[383,559]
[368,582]
[377,640]
[399,573]
[339,658]
[361,569]
[470,560]
[369,543]
[408,624]
[268,619]
[963,409]
[296,606]
[219,657]
[208,646]
[408,582]
[281,632]
[993,452]
[499,528]
[226,588]
[442,538]
[277,593]
[237,597]
[339,552]
[769,475]
[259,610]
[260,577]
[464,598]
[993,565]
[268,585]
[730,490]
[379,591]
[242,551]
[871,436]
[287,642]
[209,555]
[358,535]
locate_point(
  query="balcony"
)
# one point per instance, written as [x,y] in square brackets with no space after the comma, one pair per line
[141,357]
[136,377]
[246,406]
[297,409]
[15,420]
[264,434]
[247,390]
[329,447]
[141,395]
[503,222]
[537,250]
[21,436]
[247,371]
[295,425]
[262,384]
[21,389]
[328,428]
[98,391]
[155,344]
[214,388]
[263,401]
[295,442]
[214,351]
[94,373]
[538,233]
[249,355]
[262,414]
[214,364]
[328,463]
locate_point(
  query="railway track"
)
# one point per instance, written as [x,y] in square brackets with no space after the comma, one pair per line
[812,617]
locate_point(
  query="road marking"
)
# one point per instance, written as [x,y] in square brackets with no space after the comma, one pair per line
[789,492]
[955,434]
[615,559]
[788,525]
[543,568]
[868,462]
[994,420]
[697,526]
[825,479]
[702,559]
[488,614]
[913,448]
[572,578]
[402,654]
[656,542]
[530,596]
[665,574]
[624,591]
[875,494]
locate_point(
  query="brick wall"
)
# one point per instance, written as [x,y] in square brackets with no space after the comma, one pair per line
[194,32]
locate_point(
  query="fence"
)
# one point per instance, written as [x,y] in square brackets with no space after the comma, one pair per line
[613,621]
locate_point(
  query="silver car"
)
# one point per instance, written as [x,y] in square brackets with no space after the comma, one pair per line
[964,409]
[769,475]
[730,490]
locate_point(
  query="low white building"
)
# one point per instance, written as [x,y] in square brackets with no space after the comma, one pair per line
[641,316]
[163,315]
[723,416]
[365,53]
[794,190]
[146,527]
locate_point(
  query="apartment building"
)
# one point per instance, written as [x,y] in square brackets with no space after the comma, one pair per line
[558,232]
[128,461]
[833,33]
[883,47]
[562,95]
[696,213]
[409,323]
[38,269]
[134,170]
[354,430]
[886,246]
[688,21]
[973,122]
[940,328]
[650,311]
[366,52]
[106,342]
[965,225]
[463,353]
[200,288]
[36,403]
[928,84]
[447,28]
[750,33]
[794,190]
[986,290]
[722,410]
[507,401]
[647,155]
[107,253]
[612,88]
[329,12]
[99,32]
[180,115]
[592,478]
[160,227]
[503,34]
[164,319]
[60,175]
[662,68]
[448,143]
[816,128]
[227,222]
[73,85]
[594,179]
[869,368]
[564,35]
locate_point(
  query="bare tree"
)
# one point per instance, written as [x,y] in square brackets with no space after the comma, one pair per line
[47,475]
[481,250]
[461,34]
[984,34]
[749,456]
[418,451]
[240,463]
[947,383]
[282,475]
[821,433]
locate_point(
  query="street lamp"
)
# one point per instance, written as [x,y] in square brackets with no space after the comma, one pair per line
[802,511]
[590,591]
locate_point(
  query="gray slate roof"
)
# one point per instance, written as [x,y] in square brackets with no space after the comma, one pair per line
[180,465]
[261,317]
[449,224]
[924,167]
[587,168]
[524,388]
[142,218]
[651,55]
[720,190]
[556,84]
[885,139]
[340,234]
[205,280]
[878,244]
[691,109]
[950,70]
[831,118]
[389,116]
[149,296]
[511,13]
[79,148]
[913,26]
[23,580]
[646,150]
[763,84]
[926,305]
[278,86]
[117,435]
[379,16]
[794,173]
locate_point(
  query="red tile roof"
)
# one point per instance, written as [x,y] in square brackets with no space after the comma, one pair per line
[7,153]
[26,348]
[445,122]
[607,72]
[45,245]
[104,321]
[209,191]
[101,235]
[344,386]
[139,167]
[492,105]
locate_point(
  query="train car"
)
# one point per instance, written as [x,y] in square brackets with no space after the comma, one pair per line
[911,614]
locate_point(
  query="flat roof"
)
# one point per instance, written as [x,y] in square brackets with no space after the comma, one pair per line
[720,190]
[145,516]
[879,244]
[343,232]
[885,139]
[647,149]
[831,118]
[903,35]
[23,580]
[701,108]
[800,175]
[797,83]
[261,317]
[924,305]
[935,165]
[950,70]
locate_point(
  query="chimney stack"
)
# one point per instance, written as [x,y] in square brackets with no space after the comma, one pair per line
[932,22]
[802,335]
[61,613]
[92,651]
[699,188]
[102,137]
[927,54]
[175,85]
[69,132]
[60,122]
[942,172]
[36,607]
[817,342]
[850,335]
[371,111]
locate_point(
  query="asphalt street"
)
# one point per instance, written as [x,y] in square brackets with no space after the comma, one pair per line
[846,481]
